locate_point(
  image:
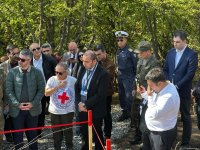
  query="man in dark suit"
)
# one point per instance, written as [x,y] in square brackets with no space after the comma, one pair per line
[46,64]
[91,86]
[180,66]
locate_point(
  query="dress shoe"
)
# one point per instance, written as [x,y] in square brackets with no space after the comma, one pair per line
[123,117]
[136,141]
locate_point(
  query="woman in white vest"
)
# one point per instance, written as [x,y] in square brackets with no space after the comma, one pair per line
[60,88]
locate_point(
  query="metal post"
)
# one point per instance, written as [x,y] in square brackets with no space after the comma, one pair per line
[108,144]
[90,129]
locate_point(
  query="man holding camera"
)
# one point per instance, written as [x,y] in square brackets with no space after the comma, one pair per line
[71,57]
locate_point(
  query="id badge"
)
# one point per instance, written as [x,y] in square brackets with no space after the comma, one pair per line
[83,96]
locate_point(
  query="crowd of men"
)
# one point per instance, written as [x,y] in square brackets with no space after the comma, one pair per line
[35,82]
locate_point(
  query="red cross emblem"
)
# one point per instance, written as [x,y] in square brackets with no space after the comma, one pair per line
[63,97]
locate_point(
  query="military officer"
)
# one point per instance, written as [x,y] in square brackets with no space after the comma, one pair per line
[1,105]
[126,61]
[146,62]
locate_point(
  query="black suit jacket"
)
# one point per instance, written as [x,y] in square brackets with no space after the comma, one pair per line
[183,74]
[97,91]
[48,65]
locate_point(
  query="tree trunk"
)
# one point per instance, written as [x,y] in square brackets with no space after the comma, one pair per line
[50,31]
[152,29]
[66,26]
[24,14]
[41,21]
[83,20]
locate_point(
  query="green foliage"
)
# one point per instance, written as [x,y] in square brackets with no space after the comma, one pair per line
[95,21]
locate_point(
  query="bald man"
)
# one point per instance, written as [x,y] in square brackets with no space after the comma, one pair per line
[91,85]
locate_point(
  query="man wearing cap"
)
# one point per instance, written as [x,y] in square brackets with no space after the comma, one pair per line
[126,61]
[146,62]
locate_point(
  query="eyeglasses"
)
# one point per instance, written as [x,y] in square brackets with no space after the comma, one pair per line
[34,49]
[119,40]
[59,73]
[21,59]
[46,51]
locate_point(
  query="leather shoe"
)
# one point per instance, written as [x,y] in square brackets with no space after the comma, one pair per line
[136,141]
[123,117]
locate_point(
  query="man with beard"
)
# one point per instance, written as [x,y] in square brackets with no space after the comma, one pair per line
[25,89]
[12,53]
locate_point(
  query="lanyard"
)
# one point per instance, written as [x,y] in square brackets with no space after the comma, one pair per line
[87,80]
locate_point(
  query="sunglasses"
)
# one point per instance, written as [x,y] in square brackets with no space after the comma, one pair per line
[59,73]
[21,59]
[119,40]
[34,49]
[45,51]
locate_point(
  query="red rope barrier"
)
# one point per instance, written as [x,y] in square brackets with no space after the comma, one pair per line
[44,127]
[98,137]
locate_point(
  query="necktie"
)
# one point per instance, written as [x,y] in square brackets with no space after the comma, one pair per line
[24,93]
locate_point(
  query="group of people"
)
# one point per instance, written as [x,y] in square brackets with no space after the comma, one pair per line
[151,95]
[34,82]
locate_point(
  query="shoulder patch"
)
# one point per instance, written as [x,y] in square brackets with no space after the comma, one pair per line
[130,50]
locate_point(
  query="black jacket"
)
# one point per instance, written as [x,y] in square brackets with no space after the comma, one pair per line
[97,91]
[48,65]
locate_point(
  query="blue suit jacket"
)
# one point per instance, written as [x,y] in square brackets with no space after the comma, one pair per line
[182,75]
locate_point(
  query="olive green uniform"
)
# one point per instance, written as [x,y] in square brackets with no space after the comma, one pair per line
[143,67]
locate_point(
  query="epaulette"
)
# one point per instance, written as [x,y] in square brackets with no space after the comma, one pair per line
[130,50]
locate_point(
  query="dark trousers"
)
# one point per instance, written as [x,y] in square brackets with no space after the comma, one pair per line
[8,126]
[108,118]
[41,119]
[135,113]
[154,140]
[125,94]
[185,117]
[58,133]
[25,120]
[97,122]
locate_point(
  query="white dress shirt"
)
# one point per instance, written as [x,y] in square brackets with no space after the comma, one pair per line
[162,111]
[179,54]
[38,64]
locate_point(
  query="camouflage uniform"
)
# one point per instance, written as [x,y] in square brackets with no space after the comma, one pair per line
[1,104]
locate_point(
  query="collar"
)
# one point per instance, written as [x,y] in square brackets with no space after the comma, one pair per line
[93,67]
[28,70]
[181,51]
[125,47]
[40,59]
